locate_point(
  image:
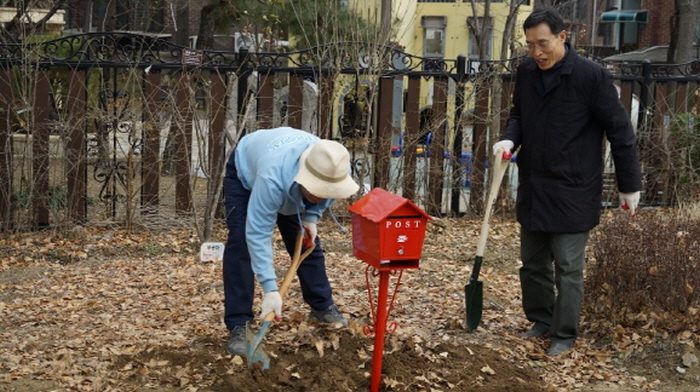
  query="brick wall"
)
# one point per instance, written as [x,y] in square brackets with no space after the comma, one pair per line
[185,27]
[658,30]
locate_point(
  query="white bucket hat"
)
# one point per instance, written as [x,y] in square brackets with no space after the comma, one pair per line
[323,171]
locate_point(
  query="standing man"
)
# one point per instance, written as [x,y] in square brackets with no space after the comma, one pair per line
[563,107]
[280,177]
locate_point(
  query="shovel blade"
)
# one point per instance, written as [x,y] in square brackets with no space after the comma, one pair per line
[255,353]
[474,301]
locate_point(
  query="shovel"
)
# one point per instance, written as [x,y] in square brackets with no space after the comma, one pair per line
[254,350]
[474,291]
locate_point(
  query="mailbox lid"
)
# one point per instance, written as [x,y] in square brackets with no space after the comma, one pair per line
[378,204]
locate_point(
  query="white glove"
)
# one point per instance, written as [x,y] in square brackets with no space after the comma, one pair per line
[629,201]
[272,302]
[310,233]
[504,145]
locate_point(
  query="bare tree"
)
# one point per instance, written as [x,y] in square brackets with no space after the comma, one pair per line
[508,38]
[480,27]
[22,24]
[683,31]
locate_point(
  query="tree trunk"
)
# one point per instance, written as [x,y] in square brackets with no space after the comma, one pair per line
[681,48]
[480,26]
[486,31]
[207,26]
[182,37]
[385,22]
[509,29]
[182,20]
[88,12]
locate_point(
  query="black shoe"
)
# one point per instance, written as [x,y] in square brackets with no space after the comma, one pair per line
[329,315]
[559,348]
[236,342]
[535,332]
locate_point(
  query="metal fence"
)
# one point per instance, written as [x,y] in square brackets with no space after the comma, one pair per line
[124,127]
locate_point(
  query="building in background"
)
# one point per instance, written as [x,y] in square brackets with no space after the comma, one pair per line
[629,30]
[440,28]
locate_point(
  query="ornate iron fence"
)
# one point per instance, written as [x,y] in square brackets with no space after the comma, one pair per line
[114,124]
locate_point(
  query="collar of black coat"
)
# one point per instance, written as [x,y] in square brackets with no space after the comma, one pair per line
[568,61]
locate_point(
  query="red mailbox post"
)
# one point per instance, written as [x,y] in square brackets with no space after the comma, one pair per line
[387,234]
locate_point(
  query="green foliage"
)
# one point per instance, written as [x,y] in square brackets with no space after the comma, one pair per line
[58,198]
[644,273]
[38,38]
[307,23]
[326,21]
[20,198]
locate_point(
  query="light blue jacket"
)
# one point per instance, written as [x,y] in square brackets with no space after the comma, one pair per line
[267,162]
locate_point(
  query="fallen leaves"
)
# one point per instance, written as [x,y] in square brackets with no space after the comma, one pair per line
[689,360]
[101,297]
[487,369]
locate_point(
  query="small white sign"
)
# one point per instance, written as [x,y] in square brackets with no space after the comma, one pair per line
[211,251]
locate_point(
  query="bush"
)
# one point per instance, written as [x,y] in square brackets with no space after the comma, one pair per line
[685,156]
[645,271]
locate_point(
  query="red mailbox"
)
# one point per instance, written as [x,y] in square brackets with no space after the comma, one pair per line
[387,234]
[388,230]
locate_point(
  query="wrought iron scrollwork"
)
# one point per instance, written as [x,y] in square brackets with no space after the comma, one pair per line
[141,51]
[691,68]
[115,140]
[113,176]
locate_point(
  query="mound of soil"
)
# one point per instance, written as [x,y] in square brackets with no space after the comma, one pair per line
[327,359]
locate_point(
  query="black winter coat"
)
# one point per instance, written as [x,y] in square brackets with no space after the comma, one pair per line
[560,135]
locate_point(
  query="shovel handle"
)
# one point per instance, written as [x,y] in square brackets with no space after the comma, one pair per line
[499,170]
[297,258]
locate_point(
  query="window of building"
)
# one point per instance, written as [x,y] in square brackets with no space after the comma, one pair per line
[434,35]
[474,44]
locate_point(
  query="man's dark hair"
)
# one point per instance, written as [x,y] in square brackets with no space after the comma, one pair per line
[545,15]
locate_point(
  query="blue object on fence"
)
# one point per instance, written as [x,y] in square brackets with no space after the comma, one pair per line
[465,160]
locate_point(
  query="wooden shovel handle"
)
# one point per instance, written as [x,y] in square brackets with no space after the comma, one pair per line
[499,170]
[297,258]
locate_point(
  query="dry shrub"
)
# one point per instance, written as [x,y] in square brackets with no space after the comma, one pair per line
[689,210]
[645,272]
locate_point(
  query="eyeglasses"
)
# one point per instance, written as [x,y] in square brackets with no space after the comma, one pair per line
[541,44]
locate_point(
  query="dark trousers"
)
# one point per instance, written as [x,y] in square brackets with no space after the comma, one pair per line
[553,260]
[239,280]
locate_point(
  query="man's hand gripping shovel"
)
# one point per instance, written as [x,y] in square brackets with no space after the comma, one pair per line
[255,352]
